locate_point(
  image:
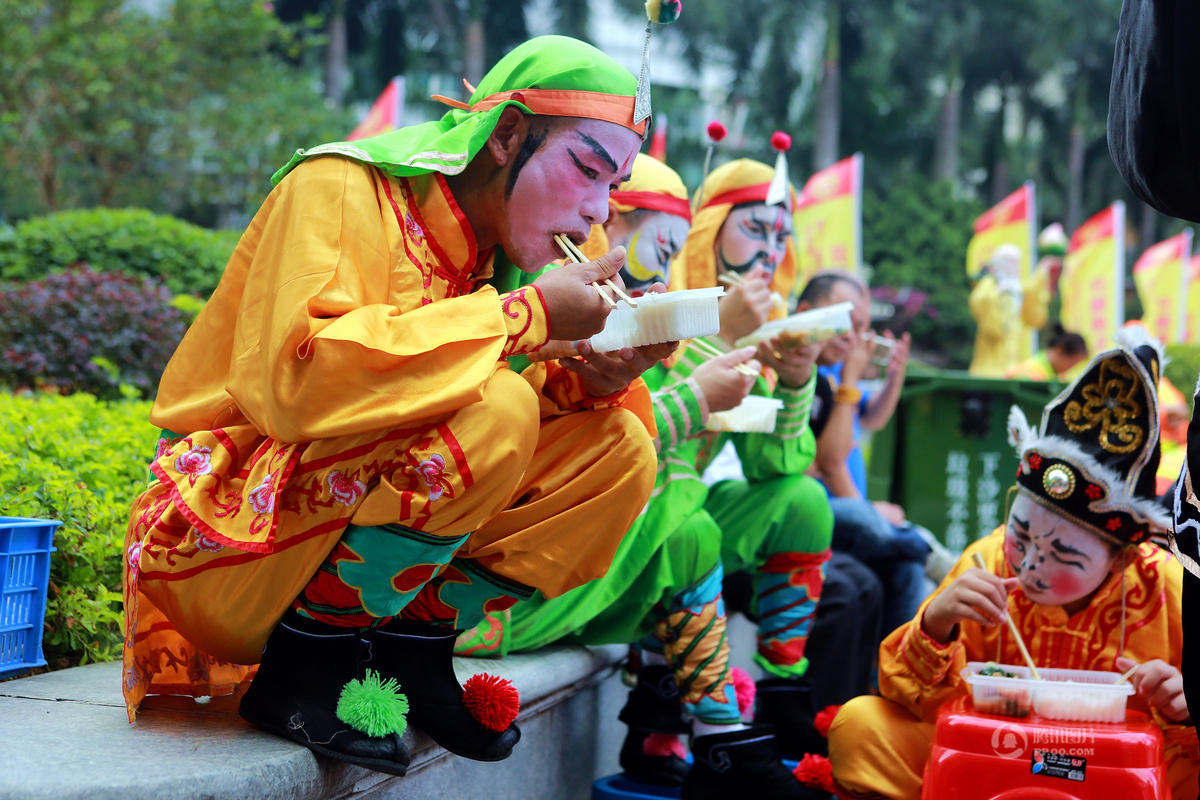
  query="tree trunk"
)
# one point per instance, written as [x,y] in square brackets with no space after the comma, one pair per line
[945,144]
[474,47]
[1147,227]
[1000,177]
[828,111]
[48,180]
[335,54]
[1075,148]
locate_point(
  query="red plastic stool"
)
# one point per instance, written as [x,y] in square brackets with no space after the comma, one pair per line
[984,757]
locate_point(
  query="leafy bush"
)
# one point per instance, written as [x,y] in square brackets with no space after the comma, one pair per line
[81,461]
[188,258]
[915,237]
[87,331]
[1183,365]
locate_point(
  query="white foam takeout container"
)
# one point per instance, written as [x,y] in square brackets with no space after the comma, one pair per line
[805,328]
[754,414]
[1065,694]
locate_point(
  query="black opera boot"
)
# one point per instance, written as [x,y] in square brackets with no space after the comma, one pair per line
[665,770]
[742,763]
[653,703]
[420,656]
[304,667]
[788,706]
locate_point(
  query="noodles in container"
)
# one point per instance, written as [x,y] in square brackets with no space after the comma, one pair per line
[754,415]
[805,328]
[659,317]
[1065,694]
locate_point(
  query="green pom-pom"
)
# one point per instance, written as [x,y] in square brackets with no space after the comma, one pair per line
[375,707]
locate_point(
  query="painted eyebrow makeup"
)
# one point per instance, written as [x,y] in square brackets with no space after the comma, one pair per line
[600,153]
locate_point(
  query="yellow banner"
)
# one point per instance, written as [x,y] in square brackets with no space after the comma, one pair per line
[1093,278]
[1192,319]
[1162,285]
[1011,221]
[828,220]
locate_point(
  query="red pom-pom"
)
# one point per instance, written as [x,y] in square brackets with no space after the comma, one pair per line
[781,141]
[743,684]
[824,719]
[815,772]
[663,745]
[492,700]
[717,131]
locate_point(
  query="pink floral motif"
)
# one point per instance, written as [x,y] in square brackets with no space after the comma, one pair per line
[206,544]
[431,470]
[164,447]
[194,463]
[133,556]
[262,497]
[414,230]
[345,489]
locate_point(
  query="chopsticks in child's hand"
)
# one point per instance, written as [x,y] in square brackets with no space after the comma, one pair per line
[1012,626]
[573,253]
[703,347]
[1127,674]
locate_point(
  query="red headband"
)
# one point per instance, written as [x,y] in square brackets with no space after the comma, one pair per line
[756,193]
[654,201]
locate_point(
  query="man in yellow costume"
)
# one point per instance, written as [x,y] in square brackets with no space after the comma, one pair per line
[1007,309]
[1075,570]
[350,472]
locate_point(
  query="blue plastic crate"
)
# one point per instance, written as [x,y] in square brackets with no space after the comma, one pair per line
[25,548]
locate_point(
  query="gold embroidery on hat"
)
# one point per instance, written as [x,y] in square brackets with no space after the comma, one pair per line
[1110,403]
[1059,481]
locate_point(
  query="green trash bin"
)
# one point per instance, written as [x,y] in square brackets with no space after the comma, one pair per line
[945,456]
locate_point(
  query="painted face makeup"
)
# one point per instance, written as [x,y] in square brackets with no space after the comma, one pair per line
[651,246]
[1057,562]
[563,187]
[753,234]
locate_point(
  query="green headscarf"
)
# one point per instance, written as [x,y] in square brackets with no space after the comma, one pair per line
[567,78]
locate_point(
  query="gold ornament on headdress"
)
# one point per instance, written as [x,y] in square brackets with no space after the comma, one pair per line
[1112,404]
[1059,481]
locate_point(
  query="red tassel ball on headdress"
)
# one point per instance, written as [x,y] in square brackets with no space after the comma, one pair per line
[781,141]
[492,700]
[824,719]
[743,684]
[815,772]
[717,131]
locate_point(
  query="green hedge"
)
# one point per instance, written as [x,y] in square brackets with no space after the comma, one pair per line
[81,461]
[1183,365]
[188,258]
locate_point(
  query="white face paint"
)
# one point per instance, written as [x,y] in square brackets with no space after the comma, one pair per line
[1056,561]
[650,248]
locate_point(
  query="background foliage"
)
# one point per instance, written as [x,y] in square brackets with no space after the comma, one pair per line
[79,460]
[107,333]
[186,257]
[187,110]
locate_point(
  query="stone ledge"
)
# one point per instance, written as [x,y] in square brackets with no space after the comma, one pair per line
[65,736]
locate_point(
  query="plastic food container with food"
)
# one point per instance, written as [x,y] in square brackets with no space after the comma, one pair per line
[805,328]
[1064,694]
[753,415]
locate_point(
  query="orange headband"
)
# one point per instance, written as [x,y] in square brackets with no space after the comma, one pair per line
[614,108]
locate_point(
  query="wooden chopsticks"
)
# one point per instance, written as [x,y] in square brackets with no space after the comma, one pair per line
[572,252]
[709,351]
[1012,626]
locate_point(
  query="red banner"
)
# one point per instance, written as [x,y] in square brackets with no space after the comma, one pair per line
[385,115]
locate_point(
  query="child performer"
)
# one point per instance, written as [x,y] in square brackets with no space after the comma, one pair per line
[1073,567]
